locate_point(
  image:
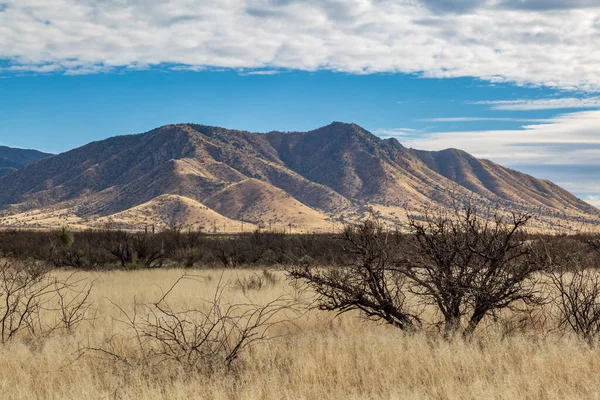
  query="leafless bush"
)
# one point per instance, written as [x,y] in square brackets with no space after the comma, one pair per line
[233,252]
[74,305]
[470,265]
[370,283]
[593,242]
[200,339]
[31,298]
[464,264]
[578,302]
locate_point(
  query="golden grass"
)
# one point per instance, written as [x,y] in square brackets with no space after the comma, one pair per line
[320,357]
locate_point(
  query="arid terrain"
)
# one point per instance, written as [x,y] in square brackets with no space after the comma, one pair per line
[317,356]
[200,262]
[460,308]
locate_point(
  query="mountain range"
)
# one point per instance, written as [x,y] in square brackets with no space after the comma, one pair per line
[229,180]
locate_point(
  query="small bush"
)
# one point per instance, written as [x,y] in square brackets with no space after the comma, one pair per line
[256,282]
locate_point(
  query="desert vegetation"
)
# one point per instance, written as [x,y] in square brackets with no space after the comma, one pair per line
[115,249]
[462,304]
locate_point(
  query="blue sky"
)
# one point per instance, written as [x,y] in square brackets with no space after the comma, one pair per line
[56,112]
[514,81]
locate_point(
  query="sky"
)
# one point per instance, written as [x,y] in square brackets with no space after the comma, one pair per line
[514,81]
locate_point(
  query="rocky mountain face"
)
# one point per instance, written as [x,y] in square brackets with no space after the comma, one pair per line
[12,159]
[194,174]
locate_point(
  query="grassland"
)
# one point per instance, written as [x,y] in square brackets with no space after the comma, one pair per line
[318,356]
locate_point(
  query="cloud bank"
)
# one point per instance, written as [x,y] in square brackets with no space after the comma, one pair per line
[569,139]
[541,104]
[553,43]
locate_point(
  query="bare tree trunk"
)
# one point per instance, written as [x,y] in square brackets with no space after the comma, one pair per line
[475,319]
[451,326]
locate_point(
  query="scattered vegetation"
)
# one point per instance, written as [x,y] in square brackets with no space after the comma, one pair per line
[470,290]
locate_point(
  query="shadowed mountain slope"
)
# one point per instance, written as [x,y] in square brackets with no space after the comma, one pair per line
[287,178]
[497,183]
[12,159]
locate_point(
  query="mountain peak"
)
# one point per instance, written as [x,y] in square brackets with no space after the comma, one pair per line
[346,132]
[453,150]
[340,124]
[345,126]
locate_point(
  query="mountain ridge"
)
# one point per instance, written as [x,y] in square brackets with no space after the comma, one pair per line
[13,159]
[338,171]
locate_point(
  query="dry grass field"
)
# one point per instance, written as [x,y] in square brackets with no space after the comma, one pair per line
[315,356]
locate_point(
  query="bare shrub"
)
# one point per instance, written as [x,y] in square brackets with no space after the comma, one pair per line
[198,340]
[137,250]
[464,264]
[74,305]
[578,302]
[31,298]
[235,252]
[370,283]
[470,265]
[593,242]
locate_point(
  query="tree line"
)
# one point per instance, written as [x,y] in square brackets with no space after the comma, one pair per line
[119,249]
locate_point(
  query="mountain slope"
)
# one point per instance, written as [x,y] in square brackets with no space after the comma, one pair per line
[288,179]
[497,183]
[12,159]
[172,210]
[265,205]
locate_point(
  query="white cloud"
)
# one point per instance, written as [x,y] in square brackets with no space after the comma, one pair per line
[593,200]
[522,41]
[263,72]
[484,119]
[570,139]
[541,104]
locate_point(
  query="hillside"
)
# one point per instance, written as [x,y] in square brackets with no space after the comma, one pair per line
[12,159]
[192,174]
[503,185]
[265,205]
[170,210]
